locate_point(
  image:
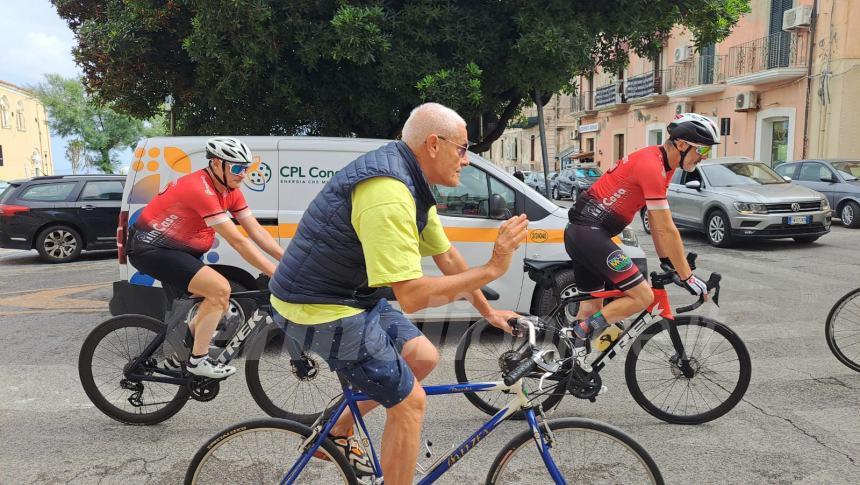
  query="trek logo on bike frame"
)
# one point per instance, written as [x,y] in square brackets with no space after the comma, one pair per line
[242,334]
[654,315]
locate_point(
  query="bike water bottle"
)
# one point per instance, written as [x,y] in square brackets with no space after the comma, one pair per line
[609,335]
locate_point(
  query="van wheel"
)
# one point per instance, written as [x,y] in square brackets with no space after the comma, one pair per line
[545,299]
[718,230]
[59,244]
[646,223]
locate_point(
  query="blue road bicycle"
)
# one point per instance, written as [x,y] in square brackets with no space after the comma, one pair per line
[569,450]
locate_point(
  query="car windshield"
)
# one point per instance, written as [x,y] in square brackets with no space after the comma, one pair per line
[741,173]
[849,170]
[588,172]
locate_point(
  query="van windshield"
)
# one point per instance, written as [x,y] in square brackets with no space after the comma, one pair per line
[742,173]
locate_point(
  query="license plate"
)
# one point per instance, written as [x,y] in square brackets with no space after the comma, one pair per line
[798,220]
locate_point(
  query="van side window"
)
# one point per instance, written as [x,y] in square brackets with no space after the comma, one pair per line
[471,198]
[507,193]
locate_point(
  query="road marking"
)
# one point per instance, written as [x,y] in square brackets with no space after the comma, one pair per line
[55,299]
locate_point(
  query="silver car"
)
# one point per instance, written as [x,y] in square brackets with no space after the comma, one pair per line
[734,198]
[838,180]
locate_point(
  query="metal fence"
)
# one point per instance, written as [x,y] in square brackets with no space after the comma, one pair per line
[584,101]
[782,49]
[644,85]
[699,70]
[607,95]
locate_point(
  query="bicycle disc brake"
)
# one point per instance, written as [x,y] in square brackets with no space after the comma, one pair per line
[305,368]
[584,386]
[204,389]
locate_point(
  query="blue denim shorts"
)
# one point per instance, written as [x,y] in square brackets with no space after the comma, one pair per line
[365,349]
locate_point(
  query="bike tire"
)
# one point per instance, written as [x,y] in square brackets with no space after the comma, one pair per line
[216,451]
[276,387]
[140,327]
[469,354]
[835,325]
[519,460]
[655,341]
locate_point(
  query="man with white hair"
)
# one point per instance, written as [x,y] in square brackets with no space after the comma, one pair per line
[363,237]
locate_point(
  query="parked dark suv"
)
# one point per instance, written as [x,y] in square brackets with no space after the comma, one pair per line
[572,181]
[61,215]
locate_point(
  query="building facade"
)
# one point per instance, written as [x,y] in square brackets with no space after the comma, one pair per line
[25,142]
[783,86]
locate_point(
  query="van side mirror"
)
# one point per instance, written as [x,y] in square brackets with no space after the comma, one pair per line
[498,207]
[831,179]
[693,184]
[786,178]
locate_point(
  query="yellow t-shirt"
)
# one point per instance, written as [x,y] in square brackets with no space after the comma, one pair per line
[383,216]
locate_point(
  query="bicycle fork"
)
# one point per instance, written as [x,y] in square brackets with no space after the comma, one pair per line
[544,440]
[680,358]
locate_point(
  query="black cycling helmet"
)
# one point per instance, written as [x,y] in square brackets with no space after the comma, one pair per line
[694,129]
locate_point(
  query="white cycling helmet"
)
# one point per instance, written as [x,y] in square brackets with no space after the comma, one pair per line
[228,149]
[694,129]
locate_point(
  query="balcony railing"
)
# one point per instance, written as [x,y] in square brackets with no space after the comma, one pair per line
[782,49]
[700,70]
[582,102]
[644,85]
[607,96]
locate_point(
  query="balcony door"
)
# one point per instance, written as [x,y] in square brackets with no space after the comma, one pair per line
[779,42]
[706,64]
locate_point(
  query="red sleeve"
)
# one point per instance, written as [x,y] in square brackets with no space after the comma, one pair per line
[653,181]
[237,205]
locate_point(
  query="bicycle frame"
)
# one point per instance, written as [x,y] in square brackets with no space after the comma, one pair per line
[445,462]
[263,313]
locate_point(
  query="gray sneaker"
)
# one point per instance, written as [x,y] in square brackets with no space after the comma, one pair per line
[171,364]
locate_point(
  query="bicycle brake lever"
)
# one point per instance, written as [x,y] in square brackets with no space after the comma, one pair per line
[543,378]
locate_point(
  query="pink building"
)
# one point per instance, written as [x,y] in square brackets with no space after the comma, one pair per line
[785,83]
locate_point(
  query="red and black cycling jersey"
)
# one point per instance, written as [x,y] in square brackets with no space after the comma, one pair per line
[640,179]
[181,216]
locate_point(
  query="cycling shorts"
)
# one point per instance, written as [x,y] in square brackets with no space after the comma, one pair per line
[171,266]
[598,260]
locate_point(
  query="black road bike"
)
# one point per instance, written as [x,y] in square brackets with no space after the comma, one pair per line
[681,369]
[122,372]
[842,330]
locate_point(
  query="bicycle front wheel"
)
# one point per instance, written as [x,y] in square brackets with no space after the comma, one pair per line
[842,330]
[715,381]
[263,451]
[107,351]
[583,450]
[297,390]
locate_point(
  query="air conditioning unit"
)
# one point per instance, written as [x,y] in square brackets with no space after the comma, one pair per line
[574,135]
[683,108]
[797,18]
[683,54]
[746,100]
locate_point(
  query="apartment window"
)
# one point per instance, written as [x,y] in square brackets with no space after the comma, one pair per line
[4,112]
[19,117]
[532,149]
[618,147]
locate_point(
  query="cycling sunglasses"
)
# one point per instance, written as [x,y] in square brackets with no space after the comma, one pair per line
[237,168]
[703,151]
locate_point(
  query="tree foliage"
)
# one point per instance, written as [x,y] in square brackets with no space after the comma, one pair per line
[340,67]
[97,128]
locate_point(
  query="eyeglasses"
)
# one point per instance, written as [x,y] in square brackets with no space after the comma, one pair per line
[703,151]
[461,149]
[237,168]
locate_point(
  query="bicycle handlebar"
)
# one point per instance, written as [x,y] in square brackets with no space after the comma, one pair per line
[670,275]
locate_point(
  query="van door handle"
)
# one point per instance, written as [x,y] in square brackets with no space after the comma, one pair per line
[88,207]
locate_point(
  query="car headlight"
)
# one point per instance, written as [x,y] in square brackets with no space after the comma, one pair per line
[825,205]
[628,237]
[749,208]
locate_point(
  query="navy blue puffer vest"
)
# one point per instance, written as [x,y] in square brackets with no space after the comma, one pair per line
[324,263]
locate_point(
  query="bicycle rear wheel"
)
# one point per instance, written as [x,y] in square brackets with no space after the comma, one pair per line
[107,351]
[263,451]
[585,451]
[299,390]
[479,358]
[842,330]
[720,366]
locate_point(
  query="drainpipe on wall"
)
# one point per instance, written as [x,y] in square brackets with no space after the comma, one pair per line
[803,153]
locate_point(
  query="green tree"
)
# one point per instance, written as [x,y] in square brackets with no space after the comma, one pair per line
[98,130]
[76,154]
[340,67]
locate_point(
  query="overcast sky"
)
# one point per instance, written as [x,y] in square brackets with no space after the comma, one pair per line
[34,40]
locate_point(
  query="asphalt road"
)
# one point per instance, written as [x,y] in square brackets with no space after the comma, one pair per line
[799,421]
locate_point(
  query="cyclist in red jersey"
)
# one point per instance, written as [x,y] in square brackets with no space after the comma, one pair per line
[179,225]
[639,180]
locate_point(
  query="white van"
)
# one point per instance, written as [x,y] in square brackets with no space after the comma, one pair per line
[289,171]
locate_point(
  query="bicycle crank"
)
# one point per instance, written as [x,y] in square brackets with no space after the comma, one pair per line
[584,386]
[204,389]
